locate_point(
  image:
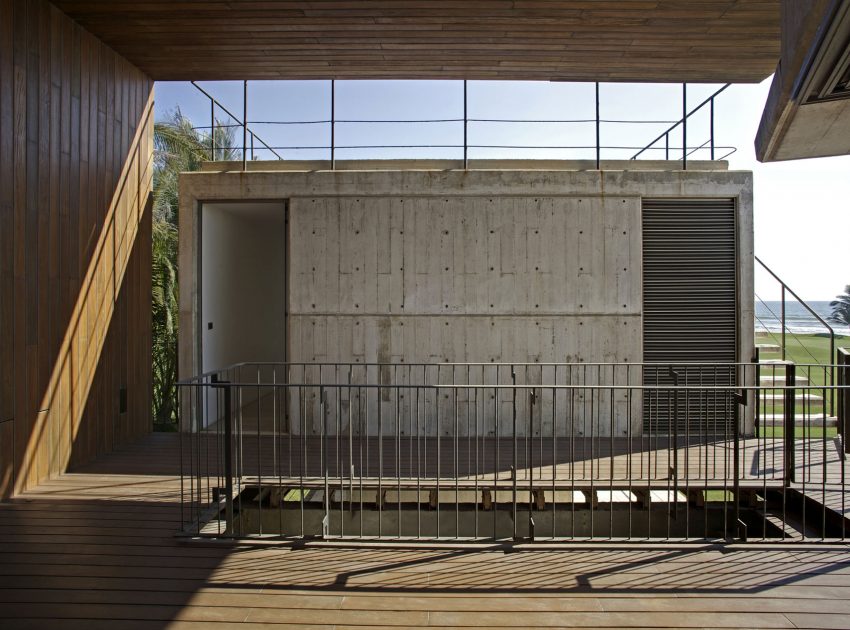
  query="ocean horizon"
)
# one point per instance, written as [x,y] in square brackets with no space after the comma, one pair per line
[797,318]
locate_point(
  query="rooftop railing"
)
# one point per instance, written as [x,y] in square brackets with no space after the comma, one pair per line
[253,145]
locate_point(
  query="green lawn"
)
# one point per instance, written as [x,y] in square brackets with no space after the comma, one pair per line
[801,349]
[800,432]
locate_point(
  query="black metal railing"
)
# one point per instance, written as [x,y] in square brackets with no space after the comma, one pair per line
[683,122]
[476,452]
[247,132]
[785,332]
[252,144]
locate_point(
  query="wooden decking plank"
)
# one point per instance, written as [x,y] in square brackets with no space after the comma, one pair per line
[818,620]
[497,618]
[221,598]
[169,563]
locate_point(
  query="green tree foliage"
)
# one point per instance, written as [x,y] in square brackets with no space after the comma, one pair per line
[841,308]
[178,148]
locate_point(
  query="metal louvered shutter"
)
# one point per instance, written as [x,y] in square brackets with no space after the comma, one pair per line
[689,303]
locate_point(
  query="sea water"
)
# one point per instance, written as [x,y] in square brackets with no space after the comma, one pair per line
[798,319]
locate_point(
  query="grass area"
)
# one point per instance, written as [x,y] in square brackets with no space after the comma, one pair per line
[718,495]
[801,349]
[800,432]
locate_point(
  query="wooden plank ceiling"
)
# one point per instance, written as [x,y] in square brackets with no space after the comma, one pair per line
[622,40]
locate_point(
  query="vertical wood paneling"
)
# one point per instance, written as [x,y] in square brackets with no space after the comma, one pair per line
[7,384]
[75,176]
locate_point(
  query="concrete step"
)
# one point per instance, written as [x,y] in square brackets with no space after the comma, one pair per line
[778,419]
[799,397]
[779,379]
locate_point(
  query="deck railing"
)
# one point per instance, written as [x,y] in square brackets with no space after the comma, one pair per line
[475,452]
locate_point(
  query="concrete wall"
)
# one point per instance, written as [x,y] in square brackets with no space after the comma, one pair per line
[458,266]
[465,278]
[243,254]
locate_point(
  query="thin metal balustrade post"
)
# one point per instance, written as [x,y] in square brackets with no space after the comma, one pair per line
[228,452]
[397,448]
[180,403]
[711,125]
[782,317]
[380,497]
[456,462]
[324,457]
[757,416]
[340,475]
[259,452]
[244,124]
[496,447]
[674,472]
[843,397]
[789,404]
[212,130]
[514,455]
[598,151]
[554,447]
[529,460]
[830,365]
[739,400]
[684,126]
[333,124]
[465,117]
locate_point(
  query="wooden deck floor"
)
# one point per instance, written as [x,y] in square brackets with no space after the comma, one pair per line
[95,549]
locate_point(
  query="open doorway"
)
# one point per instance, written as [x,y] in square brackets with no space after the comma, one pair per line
[243,301]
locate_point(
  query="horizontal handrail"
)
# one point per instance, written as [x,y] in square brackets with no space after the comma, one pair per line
[501,365]
[518,386]
[469,146]
[612,121]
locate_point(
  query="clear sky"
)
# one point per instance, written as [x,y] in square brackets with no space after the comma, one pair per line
[802,210]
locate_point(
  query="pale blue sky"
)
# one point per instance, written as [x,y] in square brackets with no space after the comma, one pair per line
[802,218]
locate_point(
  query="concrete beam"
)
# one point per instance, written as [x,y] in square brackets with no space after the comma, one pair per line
[807,114]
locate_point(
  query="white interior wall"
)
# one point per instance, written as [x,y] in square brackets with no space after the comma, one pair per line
[243,266]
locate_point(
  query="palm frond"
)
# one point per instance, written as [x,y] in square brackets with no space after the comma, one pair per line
[840,308]
[178,148]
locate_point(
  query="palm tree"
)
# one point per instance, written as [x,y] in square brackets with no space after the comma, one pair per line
[841,308]
[178,147]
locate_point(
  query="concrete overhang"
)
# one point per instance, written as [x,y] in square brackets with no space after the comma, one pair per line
[808,108]
[717,41]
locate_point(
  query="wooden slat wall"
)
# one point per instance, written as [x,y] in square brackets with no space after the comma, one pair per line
[75,175]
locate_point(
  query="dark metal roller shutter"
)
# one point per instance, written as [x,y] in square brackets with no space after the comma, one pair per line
[689,307]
